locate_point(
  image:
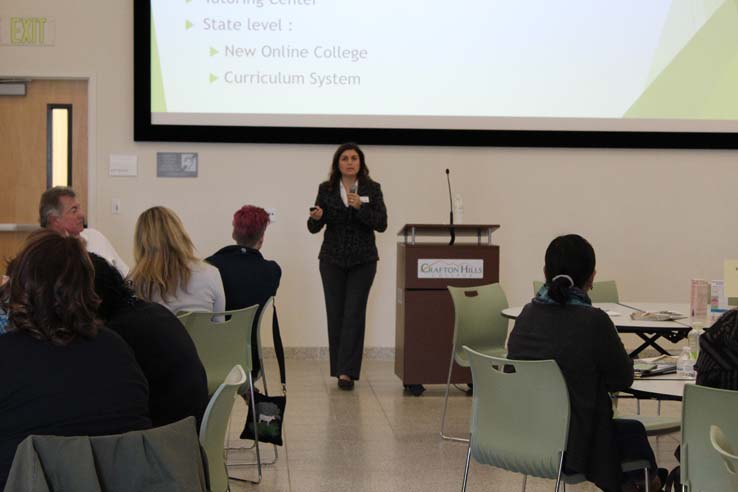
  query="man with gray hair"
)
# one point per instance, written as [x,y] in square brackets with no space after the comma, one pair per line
[59,210]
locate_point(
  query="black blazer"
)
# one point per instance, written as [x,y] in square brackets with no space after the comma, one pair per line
[586,346]
[349,233]
[248,279]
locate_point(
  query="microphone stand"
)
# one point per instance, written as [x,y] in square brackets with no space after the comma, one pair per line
[452,229]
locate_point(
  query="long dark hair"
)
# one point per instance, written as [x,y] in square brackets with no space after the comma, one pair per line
[335,175]
[570,255]
[50,294]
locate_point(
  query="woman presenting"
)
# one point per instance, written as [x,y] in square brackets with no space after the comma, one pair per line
[351,207]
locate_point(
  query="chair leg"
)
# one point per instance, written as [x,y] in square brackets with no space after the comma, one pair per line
[525,482]
[445,403]
[256,433]
[648,482]
[466,467]
[561,470]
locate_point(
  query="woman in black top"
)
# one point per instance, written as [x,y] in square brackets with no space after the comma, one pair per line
[64,374]
[561,324]
[351,206]
[248,277]
[178,386]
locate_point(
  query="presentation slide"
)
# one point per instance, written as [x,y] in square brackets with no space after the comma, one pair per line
[650,65]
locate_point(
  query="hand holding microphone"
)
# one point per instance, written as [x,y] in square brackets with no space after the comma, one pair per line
[353,197]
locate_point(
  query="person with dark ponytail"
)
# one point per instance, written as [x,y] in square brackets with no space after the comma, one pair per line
[561,324]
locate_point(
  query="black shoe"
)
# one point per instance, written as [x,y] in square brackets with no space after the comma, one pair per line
[415,389]
[345,384]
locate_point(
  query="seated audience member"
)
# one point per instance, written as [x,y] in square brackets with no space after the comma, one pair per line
[167,270]
[59,210]
[717,364]
[248,278]
[65,373]
[3,314]
[178,386]
[561,324]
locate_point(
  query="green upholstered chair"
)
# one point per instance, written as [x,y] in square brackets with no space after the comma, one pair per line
[721,444]
[215,425]
[222,345]
[184,317]
[264,316]
[478,323]
[703,408]
[520,419]
[604,291]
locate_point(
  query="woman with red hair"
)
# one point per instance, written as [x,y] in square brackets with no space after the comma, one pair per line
[248,278]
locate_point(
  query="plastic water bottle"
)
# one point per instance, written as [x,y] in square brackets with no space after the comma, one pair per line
[685,364]
[458,209]
[693,339]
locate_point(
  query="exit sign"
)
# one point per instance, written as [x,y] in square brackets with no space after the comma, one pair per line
[27,31]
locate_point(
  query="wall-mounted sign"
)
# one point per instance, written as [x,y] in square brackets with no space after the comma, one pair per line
[176,164]
[27,31]
[450,268]
[123,165]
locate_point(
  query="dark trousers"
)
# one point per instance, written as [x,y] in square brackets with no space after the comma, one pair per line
[346,293]
[632,442]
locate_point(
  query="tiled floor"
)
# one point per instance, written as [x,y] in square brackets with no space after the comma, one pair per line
[377,438]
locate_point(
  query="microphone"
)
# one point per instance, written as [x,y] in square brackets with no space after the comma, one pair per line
[452,231]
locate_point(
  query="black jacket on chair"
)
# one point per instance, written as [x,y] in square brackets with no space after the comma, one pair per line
[349,234]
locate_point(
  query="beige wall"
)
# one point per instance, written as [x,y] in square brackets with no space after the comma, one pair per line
[656,218]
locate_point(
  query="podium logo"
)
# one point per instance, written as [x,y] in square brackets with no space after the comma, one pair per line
[450,268]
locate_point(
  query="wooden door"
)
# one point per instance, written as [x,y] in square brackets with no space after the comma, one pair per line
[23,155]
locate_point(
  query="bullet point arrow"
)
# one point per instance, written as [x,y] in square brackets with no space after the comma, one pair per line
[188,24]
[213,78]
[213,51]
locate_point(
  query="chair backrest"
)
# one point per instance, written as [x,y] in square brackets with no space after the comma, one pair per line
[265,317]
[215,425]
[478,320]
[721,444]
[184,317]
[222,345]
[705,407]
[605,291]
[163,458]
[520,419]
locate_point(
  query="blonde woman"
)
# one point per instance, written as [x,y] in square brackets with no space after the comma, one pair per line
[167,270]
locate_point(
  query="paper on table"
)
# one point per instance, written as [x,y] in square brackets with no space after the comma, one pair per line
[657,316]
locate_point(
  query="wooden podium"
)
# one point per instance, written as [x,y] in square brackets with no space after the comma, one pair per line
[424,319]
